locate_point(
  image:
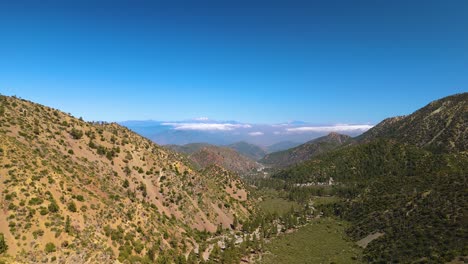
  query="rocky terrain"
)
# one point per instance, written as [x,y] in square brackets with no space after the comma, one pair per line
[73,191]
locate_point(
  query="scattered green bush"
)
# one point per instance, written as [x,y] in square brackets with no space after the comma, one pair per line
[50,247]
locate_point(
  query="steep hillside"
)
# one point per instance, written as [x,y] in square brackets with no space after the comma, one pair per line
[188,148]
[306,151]
[249,150]
[405,181]
[412,196]
[223,157]
[440,126]
[203,155]
[76,192]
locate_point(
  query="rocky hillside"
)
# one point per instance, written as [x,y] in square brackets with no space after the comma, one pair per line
[75,192]
[204,155]
[223,157]
[440,126]
[306,151]
[188,148]
[249,150]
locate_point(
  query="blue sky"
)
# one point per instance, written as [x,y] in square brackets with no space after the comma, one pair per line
[251,61]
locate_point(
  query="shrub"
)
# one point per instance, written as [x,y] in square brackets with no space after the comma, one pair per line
[3,245]
[43,211]
[126,183]
[76,133]
[35,201]
[50,247]
[53,207]
[71,206]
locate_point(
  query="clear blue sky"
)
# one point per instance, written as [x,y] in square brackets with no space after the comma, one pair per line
[252,61]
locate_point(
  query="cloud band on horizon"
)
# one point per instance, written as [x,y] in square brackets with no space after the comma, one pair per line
[206,126]
[335,128]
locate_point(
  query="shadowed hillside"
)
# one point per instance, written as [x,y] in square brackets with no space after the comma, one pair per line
[249,150]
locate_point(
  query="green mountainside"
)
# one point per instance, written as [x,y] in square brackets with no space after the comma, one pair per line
[405,182]
[440,126]
[306,151]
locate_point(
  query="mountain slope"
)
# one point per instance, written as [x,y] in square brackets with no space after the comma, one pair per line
[224,157]
[204,155]
[412,196]
[440,126]
[79,192]
[306,151]
[405,180]
[249,150]
[188,148]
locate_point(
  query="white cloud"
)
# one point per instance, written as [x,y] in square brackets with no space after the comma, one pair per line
[202,118]
[257,133]
[206,126]
[334,128]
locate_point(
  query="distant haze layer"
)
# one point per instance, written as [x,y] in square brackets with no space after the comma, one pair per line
[228,132]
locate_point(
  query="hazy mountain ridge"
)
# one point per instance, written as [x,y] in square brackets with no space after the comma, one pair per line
[306,151]
[282,145]
[249,150]
[271,137]
[79,192]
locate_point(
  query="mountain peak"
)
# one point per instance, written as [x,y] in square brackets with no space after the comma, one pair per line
[440,125]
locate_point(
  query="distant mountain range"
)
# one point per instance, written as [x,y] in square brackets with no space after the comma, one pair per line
[271,138]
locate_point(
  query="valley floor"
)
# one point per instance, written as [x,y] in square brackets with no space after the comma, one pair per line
[321,241]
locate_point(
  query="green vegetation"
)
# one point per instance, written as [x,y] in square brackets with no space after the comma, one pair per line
[71,206]
[413,196]
[439,126]
[277,205]
[76,133]
[321,241]
[307,150]
[50,247]
[53,207]
[3,244]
